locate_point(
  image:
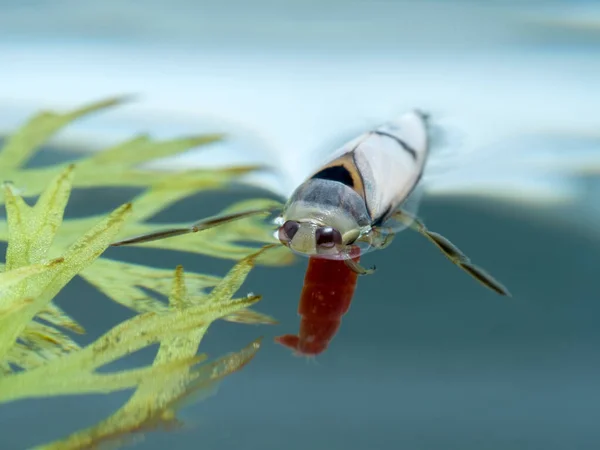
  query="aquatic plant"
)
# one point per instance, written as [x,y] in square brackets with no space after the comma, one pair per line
[45,251]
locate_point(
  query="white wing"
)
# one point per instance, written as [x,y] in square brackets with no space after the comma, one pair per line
[391,162]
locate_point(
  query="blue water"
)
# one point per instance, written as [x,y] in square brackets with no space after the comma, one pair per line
[426,357]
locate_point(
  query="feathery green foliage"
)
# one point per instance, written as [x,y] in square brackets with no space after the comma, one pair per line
[45,252]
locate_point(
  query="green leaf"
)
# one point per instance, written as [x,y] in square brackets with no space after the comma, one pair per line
[142,149]
[37,359]
[22,144]
[46,285]
[16,276]
[128,284]
[179,330]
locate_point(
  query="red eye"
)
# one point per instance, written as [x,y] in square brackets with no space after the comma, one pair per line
[287,231]
[328,237]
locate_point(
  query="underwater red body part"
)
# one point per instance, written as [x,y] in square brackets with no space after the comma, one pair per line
[326,296]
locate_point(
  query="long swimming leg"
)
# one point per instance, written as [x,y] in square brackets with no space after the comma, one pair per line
[201,225]
[452,252]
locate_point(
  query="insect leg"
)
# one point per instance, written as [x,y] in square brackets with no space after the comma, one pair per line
[201,225]
[452,252]
[357,268]
[381,238]
[376,238]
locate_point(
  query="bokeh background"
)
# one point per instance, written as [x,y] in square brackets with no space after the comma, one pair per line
[426,358]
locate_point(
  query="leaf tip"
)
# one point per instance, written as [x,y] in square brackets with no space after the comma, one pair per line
[124,209]
[127,98]
[255,345]
[8,186]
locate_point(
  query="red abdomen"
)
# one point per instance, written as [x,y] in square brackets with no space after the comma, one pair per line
[328,289]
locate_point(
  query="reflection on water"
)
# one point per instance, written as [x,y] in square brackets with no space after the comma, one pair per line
[425,358]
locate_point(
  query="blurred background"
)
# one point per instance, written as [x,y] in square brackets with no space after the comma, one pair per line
[426,358]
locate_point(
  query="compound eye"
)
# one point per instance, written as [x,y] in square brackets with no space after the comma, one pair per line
[287,231]
[328,237]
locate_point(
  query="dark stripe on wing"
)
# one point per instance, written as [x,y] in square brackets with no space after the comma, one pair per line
[400,142]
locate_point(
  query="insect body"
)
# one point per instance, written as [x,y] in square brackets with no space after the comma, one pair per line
[354,203]
[357,190]
[357,198]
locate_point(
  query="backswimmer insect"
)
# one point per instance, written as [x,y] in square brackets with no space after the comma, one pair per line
[357,201]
